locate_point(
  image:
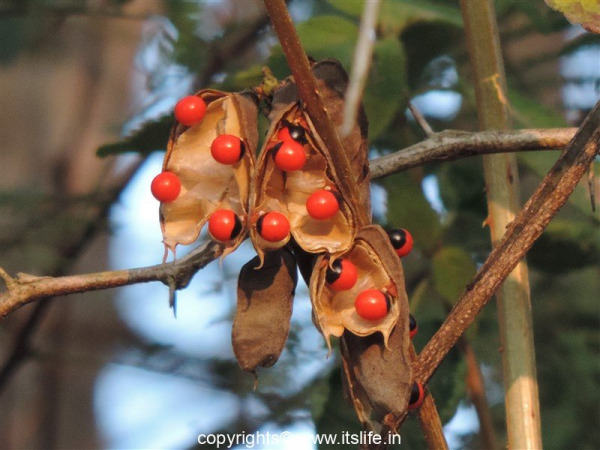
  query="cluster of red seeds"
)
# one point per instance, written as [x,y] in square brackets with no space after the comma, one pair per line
[289,155]
[371,304]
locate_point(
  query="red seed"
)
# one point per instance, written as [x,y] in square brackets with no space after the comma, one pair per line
[165,187]
[224,225]
[342,276]
[190,110]
[371,304]
[322,205]
[227,149]
[273,227]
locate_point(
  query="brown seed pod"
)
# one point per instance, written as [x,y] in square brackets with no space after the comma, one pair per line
[288,191]
[264,309]
[379,377]
[207,185]
[378,268]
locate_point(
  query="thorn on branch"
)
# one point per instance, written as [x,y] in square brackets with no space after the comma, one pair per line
[8,280]
[420,119]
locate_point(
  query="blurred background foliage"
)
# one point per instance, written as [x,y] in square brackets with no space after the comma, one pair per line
[176,46]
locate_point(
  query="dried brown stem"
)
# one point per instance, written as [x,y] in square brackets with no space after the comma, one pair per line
[431,424]
[420,119]
[451,144]
[550,196]
[27,288]
[307,89]
[430,421]
[476,393]
[361,62]
[444,146]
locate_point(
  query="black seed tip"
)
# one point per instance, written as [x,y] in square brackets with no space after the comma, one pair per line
[412,322]
[397,238]
[297,133]
[415,394]
[237,228]
[388,300]
[242,150]
[259,223]
[334,272]
[276,148]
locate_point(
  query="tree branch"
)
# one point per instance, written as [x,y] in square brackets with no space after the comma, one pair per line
[361,61]
[450,145]
[445,146]
[307,89]
[550,196]
[27,288]
[476,393]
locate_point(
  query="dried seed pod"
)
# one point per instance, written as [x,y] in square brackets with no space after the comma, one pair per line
[287,192]
[264,309]
[378,268]
[380,375]
[206,184]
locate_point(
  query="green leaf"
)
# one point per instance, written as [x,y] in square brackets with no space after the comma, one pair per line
[151,137]
[385,90]
[238,81]
[462,186]
[453,269]
[530,113]
[322,37]
[565,245]
[424,41]
[395,15]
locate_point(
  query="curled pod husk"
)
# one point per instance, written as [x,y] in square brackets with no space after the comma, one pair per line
[264,309]
[207,185]
[288,192]
[379,377]
[378,268]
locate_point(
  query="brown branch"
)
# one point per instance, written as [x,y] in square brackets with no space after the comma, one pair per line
[550,196]
[431,424]
[420,119]
[361,62]
[450,145]
[429,418]
[444,146]
[476,393]
[27,288]
[307,89]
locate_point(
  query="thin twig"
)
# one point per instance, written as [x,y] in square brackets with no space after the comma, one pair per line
[549,197]
[360,65]
[429,418]
[308,92]
[450,145]
[27,288]
[421,121]
[476,393]
[431,424]
[444,146]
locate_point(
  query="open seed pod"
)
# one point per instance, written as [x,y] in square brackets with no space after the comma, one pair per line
[378,377]
[207,185]
[264,309]
[288,191]
[378,268]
